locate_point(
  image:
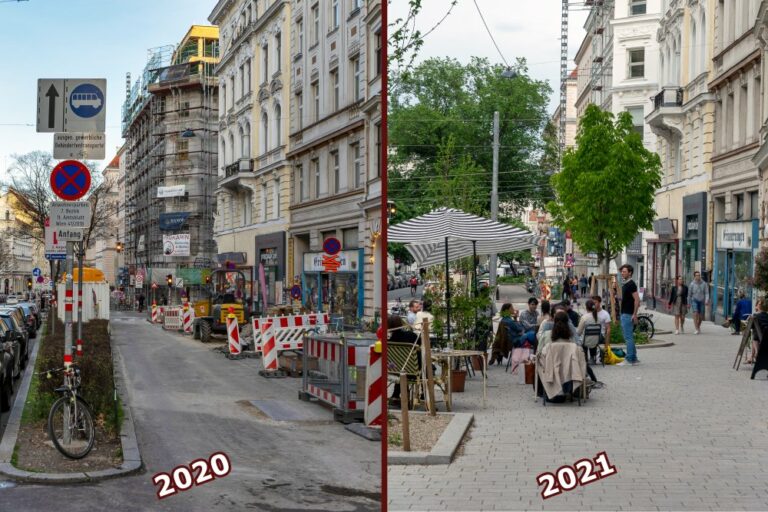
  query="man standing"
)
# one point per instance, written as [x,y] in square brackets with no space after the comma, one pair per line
[630,303]
[698,297]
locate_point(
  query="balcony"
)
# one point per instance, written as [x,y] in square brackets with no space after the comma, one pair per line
[235,172]
[667,117]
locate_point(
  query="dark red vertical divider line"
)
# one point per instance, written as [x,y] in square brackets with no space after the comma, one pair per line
[383,245]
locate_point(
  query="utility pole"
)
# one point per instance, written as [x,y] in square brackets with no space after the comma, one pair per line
[494,200]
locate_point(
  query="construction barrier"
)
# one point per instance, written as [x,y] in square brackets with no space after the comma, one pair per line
[269,349]
[233,334]
[374,386]
[172,319]
[188,319]
[335,370]
[154,312]
[288,331]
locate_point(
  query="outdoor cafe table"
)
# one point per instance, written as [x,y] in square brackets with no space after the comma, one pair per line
[446,361]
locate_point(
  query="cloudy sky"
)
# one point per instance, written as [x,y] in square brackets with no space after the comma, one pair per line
[521,28]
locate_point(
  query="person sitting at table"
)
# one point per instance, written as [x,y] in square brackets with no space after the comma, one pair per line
[509,335]
[423,314]
[741,312]
[399,331]
[530,317]
[561,332]
[759,328]
[545,313]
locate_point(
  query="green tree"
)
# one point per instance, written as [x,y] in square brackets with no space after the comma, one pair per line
[606,189]
[442,100]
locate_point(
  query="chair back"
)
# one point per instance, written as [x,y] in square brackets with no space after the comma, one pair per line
[402,357]
[592,335]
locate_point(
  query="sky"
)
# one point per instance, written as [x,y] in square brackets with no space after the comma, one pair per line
[521,28]
[80,39]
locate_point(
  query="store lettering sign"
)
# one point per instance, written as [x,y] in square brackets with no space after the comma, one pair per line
[735,235]
[315,261]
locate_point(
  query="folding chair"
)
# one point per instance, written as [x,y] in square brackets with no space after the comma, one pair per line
[592,338]
[404,357]
[567,391]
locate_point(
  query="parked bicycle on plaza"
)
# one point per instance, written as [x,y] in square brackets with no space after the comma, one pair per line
[70,421]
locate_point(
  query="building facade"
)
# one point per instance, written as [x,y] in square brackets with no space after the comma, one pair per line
[735,183]
[19,254]
[104,248]
[682,116]
[254,177]
[171,132]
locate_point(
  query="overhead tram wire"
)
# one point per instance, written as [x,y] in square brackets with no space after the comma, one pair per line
[489,33]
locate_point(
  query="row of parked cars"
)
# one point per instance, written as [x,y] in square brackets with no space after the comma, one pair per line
[397,281]
[19,324]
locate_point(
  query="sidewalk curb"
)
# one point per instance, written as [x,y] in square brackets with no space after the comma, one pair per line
[129,444]
[647,345]
[444,449]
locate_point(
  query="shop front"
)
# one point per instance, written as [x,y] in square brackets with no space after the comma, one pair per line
[664,262]
[336,288]
[270,253]
[735,248]
[694,236]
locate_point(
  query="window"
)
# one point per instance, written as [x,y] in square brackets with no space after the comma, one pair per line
[265,63]
[299,110]
[245,140]
[754,205]
[182,149]
[264,202]
[335,84]
[377,134]
[636,63]
[223,92]
[316,101]
[278,126]
[303,183]
[357,4]
[276,199]
[335,171]
[377,46]
[316,172]
[300,35]
[739,206]
[334,14]
[242,80]
[184,112]
[264,133]
[637,7]
[637,120]
[247,209]
[357,164]
[278,50]
[315,24]
[224,150]
[7,215]
[248,86]
[357,78]
[350,238]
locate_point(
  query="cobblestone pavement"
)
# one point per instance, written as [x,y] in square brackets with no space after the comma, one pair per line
[684,430]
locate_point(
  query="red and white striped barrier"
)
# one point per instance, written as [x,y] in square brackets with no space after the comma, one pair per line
[154,312]
[188,318]
[288,331]
[374,387]
[233,334]
[79,344]
[172,319]
[269,348]
[329,354]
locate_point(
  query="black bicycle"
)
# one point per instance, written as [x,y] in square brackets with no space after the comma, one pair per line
[645,324]
[70,422]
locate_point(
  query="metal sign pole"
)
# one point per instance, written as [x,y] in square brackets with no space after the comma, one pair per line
[81,254]
[68,308]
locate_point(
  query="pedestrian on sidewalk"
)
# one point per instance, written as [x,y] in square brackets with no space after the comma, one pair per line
[630,303]
[678,304]
[566,288]
[583,285]
[698,297]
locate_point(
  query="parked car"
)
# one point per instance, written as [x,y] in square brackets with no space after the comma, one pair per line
[35,310]
[27,318]
[15,323]
[402,281]
[390,282]
[6,375]
[12,299]
[11,341]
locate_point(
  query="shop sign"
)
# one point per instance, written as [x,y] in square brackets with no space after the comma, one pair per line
[316,261]
[176,245]
[269,257]
[734,235]
[691,226]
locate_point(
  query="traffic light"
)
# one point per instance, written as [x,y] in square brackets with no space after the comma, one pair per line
[169,279]
[29,283]
[208,279]
[119,246]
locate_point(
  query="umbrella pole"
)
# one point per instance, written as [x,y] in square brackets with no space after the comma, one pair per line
[447,292]
[474,283]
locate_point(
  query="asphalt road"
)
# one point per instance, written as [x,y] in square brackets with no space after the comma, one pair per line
[189,402]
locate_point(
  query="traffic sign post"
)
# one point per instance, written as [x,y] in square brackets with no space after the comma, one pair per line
[70,180]
[71,105]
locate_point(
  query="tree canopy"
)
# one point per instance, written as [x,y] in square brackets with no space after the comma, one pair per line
[441,134]
[605,191]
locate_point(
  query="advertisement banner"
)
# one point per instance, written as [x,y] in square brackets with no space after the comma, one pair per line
[172,191]
[347,261]
[176,245]
[173,221]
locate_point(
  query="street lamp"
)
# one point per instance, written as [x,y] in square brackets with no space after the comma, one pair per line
[509,73]
[187,134]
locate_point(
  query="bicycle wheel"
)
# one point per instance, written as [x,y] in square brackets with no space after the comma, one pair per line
[78,418]
[645,325]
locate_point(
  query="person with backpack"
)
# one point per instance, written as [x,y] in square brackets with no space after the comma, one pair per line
[414,282]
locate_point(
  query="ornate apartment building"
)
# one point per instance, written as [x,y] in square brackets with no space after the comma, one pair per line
[682,116]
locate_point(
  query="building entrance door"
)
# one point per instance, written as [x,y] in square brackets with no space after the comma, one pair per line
[690,251]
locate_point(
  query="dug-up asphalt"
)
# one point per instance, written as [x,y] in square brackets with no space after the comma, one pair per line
[189,402]
[684,430]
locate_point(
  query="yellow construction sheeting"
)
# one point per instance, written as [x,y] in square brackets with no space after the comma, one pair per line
[90,275]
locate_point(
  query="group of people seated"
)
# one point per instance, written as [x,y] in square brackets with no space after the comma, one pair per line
[555,323]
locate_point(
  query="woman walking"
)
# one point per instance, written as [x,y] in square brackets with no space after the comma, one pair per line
[678,303]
